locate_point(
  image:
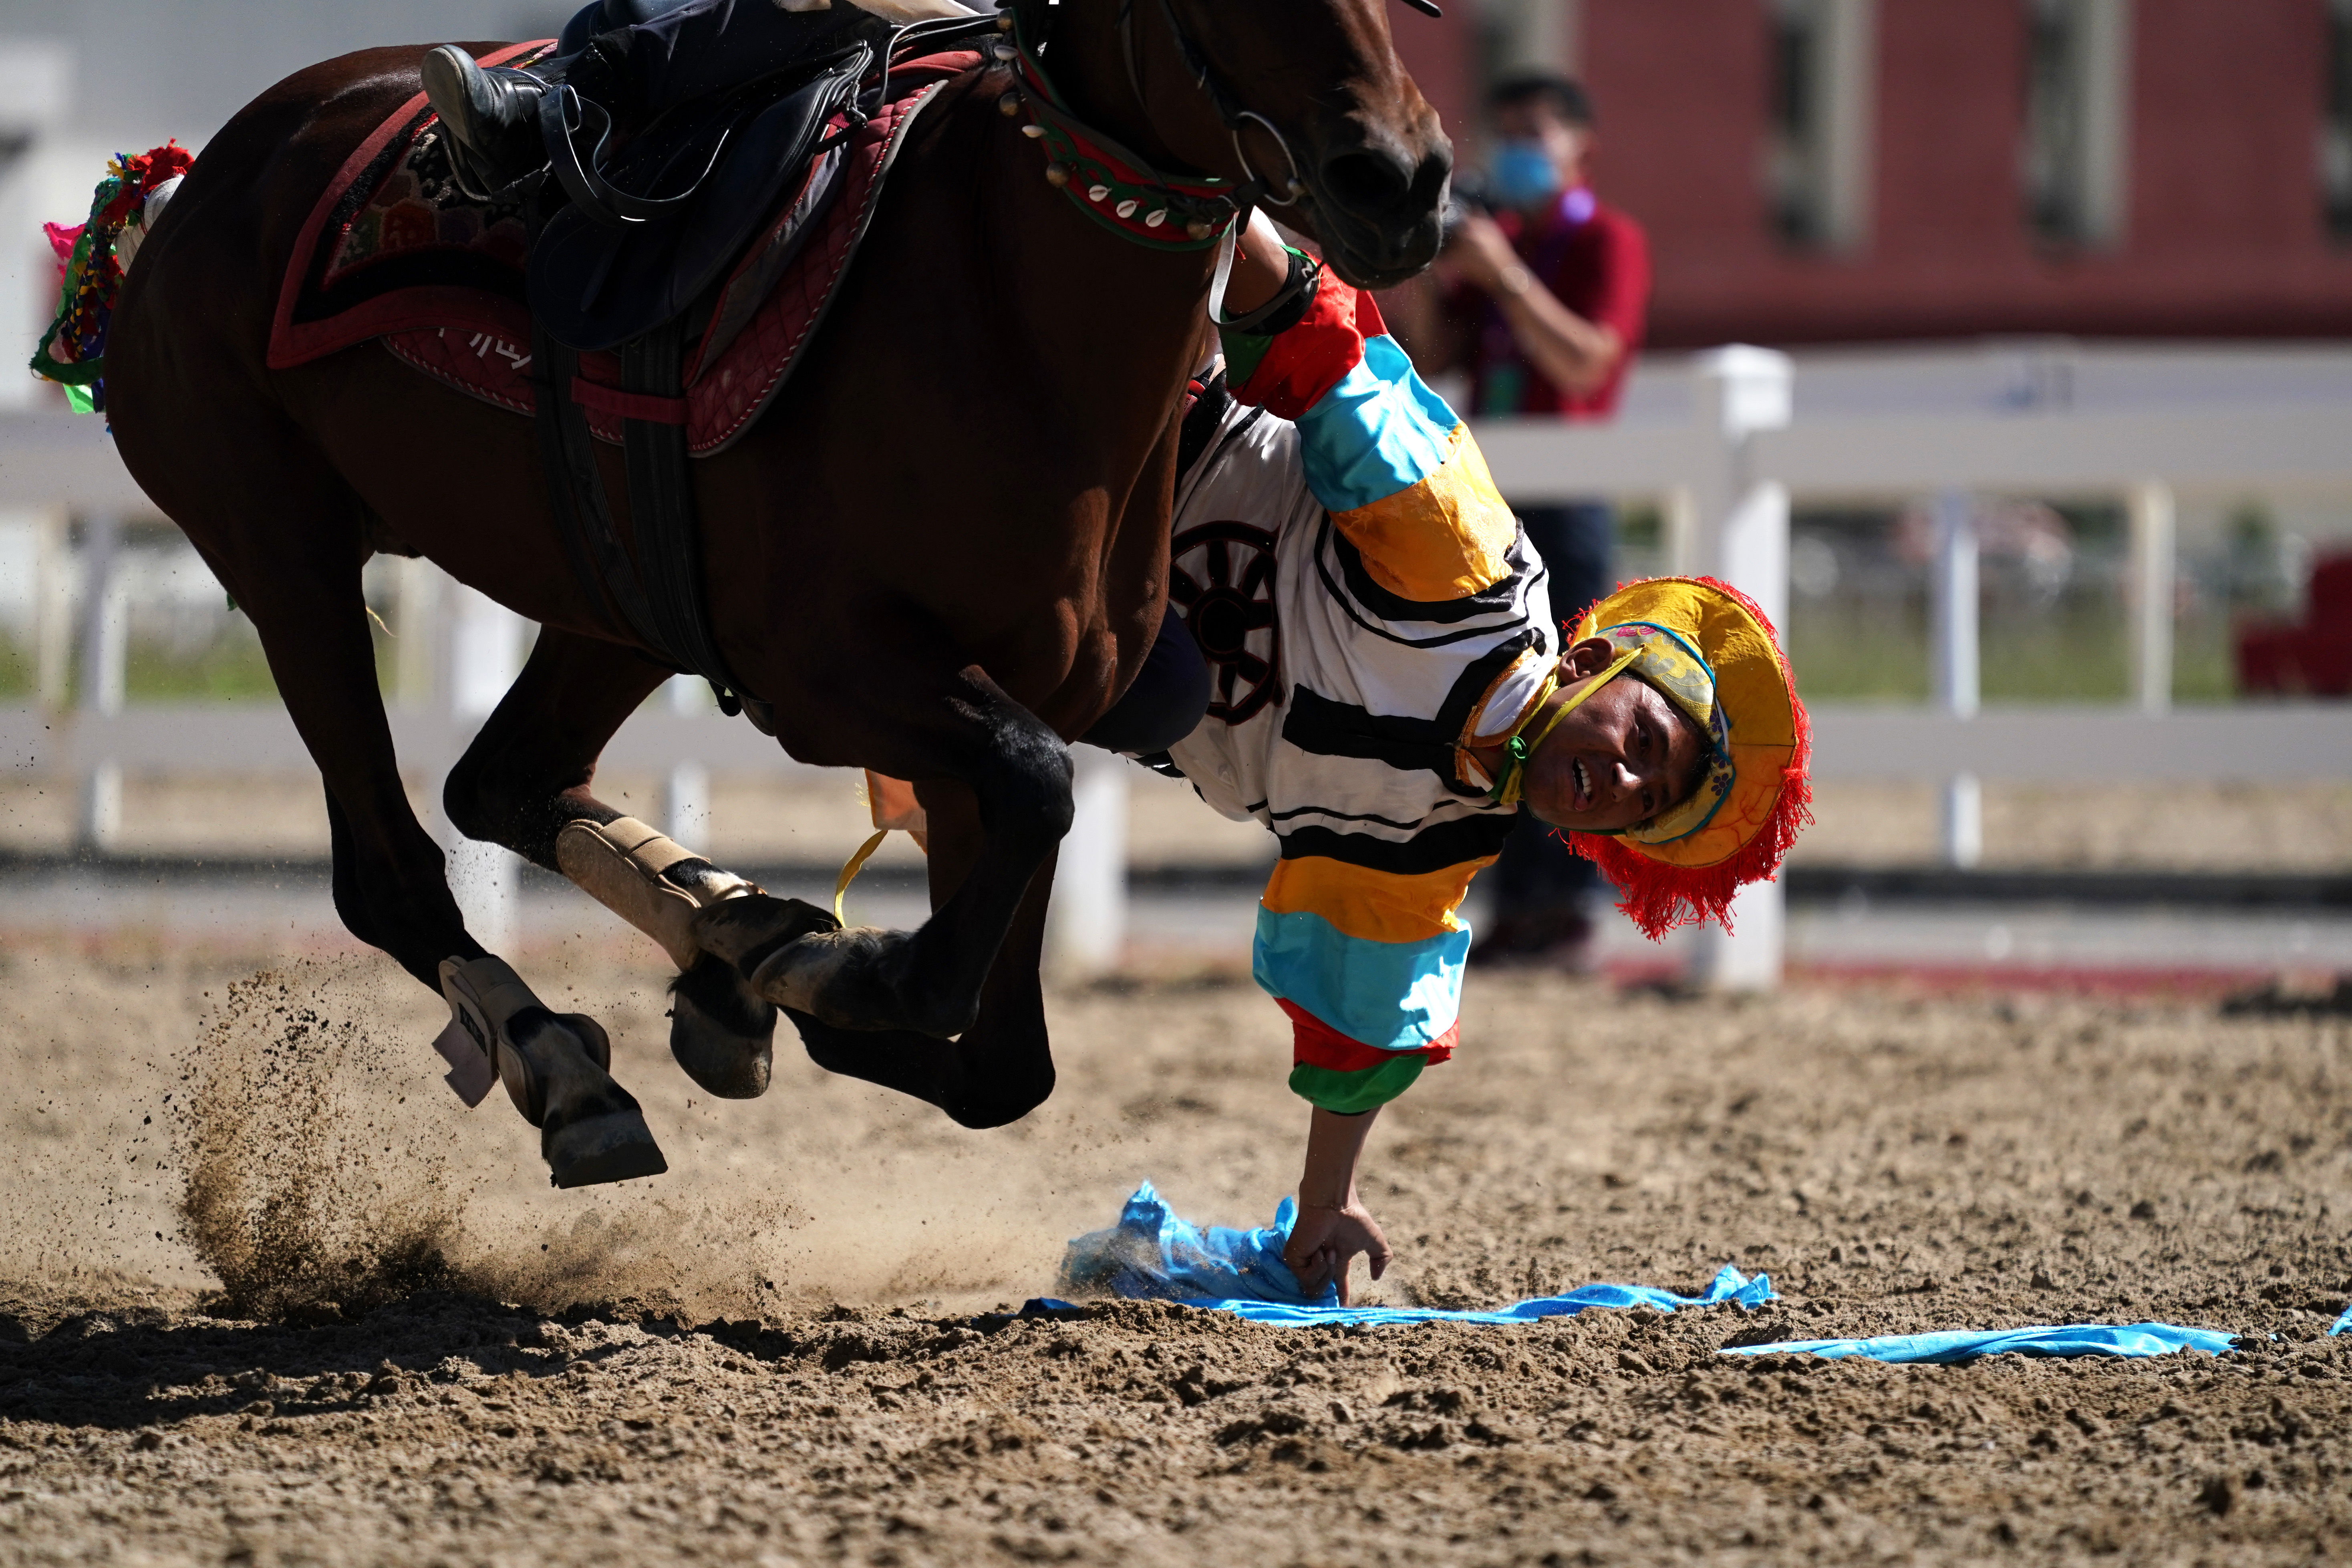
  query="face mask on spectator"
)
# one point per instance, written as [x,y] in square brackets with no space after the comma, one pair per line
[1521,175]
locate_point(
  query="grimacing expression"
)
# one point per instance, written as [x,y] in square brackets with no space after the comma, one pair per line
[1625,755]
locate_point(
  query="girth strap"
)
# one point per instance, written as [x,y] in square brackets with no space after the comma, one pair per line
[582,520]
[657,597]
[662,510]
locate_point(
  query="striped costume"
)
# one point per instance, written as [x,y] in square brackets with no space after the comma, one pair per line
[1367,607]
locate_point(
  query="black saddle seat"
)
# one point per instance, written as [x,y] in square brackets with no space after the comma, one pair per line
[726,160]
[605,15]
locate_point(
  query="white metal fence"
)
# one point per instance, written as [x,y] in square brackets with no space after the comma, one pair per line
[1722,471]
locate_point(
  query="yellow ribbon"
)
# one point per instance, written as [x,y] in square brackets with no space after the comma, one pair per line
[856,863]
[1518,748]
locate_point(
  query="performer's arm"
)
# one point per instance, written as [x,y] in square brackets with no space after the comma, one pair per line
[1368,966]
[1400,474]
[1333,1225]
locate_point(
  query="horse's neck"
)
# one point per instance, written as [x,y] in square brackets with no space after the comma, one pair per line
[1122,322]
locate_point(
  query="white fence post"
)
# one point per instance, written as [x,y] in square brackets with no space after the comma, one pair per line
[485,655]
[1678,520]
[2152,567]
[1955,658]
[686,789]
[1086,927]
[53,611]
[1743,538]
[416,596]
[105,658]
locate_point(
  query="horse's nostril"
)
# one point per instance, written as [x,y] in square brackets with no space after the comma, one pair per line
[1367,182]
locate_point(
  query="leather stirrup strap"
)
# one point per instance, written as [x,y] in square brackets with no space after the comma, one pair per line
[658,598]
[582,180]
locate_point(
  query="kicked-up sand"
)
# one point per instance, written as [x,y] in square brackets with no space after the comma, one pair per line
[269,1295]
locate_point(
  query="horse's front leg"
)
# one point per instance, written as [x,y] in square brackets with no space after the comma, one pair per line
[525,784]
[967,731]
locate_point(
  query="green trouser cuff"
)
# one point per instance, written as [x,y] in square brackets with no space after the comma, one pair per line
[1351,1092]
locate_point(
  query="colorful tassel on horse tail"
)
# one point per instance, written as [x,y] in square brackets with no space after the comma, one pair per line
[89,276]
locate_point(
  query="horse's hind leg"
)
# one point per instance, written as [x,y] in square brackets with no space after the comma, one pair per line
[938,724]
[524,783]
[282,532]
[1002,1067]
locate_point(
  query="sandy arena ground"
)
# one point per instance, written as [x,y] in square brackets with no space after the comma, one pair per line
[272,1296]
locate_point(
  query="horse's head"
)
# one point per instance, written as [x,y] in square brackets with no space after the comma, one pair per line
[1307,96]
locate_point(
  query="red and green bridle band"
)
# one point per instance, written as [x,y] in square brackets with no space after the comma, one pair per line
[1112,185]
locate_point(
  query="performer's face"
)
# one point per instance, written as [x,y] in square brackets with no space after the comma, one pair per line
[1623,756]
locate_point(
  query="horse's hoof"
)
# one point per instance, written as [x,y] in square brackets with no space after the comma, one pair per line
[612,1143]
[593,1037]
[722,1035]
[530,1063]
[806,975]
[745,931]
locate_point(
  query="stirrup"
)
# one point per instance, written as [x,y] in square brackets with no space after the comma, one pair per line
[588,189]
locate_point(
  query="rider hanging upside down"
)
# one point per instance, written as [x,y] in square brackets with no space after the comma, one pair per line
[1390,689]
[1386,686]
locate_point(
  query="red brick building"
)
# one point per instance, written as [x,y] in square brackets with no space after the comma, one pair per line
[1843,170]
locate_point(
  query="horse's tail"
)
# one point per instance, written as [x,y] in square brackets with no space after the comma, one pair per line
[91,258]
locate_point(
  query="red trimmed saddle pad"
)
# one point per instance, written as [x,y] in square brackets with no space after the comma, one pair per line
[394,250]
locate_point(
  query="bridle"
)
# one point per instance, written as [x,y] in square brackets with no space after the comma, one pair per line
[1105,180]
[1256,188]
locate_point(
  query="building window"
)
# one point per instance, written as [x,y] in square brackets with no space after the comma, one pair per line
[2077,92]
[2336,129]
[1817,169]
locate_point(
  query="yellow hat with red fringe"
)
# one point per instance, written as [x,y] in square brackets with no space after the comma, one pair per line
[1713,654]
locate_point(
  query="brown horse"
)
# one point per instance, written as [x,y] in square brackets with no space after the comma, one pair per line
[941,554]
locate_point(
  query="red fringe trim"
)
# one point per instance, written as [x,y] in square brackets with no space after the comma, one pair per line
[1660,897]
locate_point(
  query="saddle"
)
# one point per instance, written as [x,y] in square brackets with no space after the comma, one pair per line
[634,265]
[660,308]
[653,225]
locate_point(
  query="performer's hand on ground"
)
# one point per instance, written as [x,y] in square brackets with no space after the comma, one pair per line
[1326,1240]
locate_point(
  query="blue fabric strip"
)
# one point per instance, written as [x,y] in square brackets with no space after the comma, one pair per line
[1151,1254]
[1378,431]
[1394,995]
[2043,1340]
[2343,1324]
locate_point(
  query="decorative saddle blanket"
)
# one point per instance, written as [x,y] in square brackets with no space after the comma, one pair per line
[395,251]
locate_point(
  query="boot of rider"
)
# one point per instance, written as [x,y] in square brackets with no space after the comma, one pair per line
[492,118]
[721,1032]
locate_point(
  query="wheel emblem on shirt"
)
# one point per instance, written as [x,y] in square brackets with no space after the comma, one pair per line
[1221,579]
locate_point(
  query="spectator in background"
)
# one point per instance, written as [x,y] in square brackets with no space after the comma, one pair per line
[1552,291]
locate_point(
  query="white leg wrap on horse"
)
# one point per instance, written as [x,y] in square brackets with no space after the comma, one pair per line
[623,865]
[484,995]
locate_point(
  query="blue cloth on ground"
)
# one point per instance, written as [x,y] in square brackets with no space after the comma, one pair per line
[2343,1324]
[1967,1344]
[1152,1254]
